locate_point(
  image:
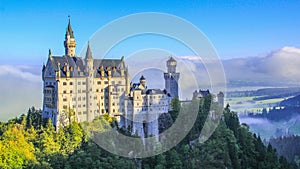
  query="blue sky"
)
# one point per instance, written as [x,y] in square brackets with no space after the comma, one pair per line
[237,28]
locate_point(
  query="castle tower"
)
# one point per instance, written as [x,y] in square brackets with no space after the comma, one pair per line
[171,78]
[143,81]
[89,83]
[220,100]
[69,43]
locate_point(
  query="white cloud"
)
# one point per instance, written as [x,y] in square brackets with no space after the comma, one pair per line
[19,71]
[277,66]
[20,88]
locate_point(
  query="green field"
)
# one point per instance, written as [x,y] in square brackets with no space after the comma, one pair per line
[247,104]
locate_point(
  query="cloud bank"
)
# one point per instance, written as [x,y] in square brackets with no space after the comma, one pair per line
[277,67]
[20,88]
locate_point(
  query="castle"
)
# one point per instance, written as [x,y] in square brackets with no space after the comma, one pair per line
[80,89]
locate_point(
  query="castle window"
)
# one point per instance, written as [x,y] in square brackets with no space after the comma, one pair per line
[64,83]
[64,99]
[101,90]
[74,99]
[106,82]
[83,83]
[113,104]
[97,90]
[83,98]
[79,83]
[83,105]
[71,91]
[113,110]
[65,106]
[120,82]
[113,82]
[84,112]
[102,111]
[79,106]
[79,113]
[71,83]
[99,82]
[64,92]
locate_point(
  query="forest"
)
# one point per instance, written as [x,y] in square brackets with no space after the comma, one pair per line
[287,146]
[29,141]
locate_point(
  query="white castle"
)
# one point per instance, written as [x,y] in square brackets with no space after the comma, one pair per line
[80,89]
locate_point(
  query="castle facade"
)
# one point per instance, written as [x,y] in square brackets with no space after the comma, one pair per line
[80,89]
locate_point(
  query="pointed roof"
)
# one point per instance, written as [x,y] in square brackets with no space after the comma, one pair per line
[171,59]
[50,54]
[69,30]
[88,54]
[142,78]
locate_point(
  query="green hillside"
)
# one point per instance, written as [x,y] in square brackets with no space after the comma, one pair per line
[31,142]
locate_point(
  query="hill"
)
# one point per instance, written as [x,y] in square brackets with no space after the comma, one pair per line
[31,142]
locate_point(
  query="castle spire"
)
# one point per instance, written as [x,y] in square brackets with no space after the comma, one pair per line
[69,30]
[50,54]
[69,43]
[88,54]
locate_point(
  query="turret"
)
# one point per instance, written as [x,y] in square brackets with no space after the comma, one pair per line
[171,78]
[89,58]
[171,65]
[220,98]
[143,81]
[69,43]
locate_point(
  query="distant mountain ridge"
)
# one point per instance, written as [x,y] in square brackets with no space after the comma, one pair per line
[288,109]
[291,102]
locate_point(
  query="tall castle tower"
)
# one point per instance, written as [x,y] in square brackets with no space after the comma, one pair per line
[69,43]
[171,78]
[80,89]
